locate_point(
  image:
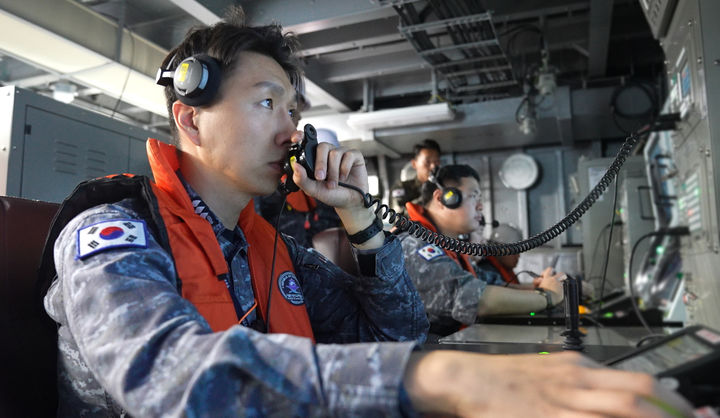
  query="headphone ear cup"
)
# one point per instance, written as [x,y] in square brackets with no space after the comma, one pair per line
[196,80]
[451,197]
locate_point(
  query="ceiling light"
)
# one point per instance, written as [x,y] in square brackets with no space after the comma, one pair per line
[414,115]
[64,92]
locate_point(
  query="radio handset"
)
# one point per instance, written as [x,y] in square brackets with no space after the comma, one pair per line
[302,153]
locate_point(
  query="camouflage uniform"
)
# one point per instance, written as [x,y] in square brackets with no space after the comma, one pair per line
[489,273]
[450,293]
[130,344]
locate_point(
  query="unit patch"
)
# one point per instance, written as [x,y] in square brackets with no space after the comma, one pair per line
[430,251]
[117,233]
[290,288]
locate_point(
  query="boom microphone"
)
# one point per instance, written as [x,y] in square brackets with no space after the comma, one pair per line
[494,223]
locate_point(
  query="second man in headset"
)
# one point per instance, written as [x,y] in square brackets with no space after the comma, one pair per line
[453,291]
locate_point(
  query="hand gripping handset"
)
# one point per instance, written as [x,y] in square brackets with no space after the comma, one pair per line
[302,153]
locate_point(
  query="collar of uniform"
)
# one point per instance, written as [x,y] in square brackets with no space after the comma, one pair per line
[235,237]
[418,214]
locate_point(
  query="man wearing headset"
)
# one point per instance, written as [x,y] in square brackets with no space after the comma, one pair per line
[453,292]
[147,329]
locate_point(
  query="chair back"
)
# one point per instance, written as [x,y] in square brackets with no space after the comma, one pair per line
[28,350]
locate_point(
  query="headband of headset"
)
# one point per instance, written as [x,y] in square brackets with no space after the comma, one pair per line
[450,197]
[195,79]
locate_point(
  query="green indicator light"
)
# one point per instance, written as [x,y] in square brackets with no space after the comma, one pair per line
[608,315]
[543,352]
[625,275]
[659,249]
[532,313]
[697,191]
[680,275]
[621,210]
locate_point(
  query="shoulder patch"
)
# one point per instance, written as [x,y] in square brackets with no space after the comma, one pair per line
[430,251]
[290,288]
[118,233]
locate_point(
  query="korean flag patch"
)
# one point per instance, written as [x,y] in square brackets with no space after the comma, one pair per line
[118,233]
[430,251]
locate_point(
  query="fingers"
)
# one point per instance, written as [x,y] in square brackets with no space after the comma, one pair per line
[300,177]
[335,164]
[548,272]
[598,390]
[633,394]
[616,403]
[321,160]
[350,160]
[335,157]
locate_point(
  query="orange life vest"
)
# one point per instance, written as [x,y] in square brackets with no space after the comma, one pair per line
[301,202]
[200,263]
[417,213]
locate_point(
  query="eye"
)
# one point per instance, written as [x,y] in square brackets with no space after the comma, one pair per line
[294,115]
[268,103]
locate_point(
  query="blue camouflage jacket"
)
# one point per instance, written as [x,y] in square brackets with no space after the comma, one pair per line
[130,344]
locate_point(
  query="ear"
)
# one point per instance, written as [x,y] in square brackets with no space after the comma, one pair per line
[414,164]
[437,196]
[184,116]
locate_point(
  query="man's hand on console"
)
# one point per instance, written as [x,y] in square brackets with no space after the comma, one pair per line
[564,384]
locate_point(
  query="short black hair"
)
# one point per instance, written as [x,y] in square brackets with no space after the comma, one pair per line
[426,144]
[449,175]
[225,40]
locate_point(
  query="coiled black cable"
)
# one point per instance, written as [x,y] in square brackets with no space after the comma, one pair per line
[496,249]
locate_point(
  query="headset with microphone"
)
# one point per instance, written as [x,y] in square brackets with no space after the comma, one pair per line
[196,79]
[450,197]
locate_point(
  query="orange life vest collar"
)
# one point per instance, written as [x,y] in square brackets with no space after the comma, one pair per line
[417,213]
[164,163]
[200,263]
[301,202]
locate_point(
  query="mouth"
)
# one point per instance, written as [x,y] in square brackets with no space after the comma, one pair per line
[277,165]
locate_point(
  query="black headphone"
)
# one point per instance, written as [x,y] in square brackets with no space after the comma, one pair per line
[450,197]
[195,80]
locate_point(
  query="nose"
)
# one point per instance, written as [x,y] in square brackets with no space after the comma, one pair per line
[287,126]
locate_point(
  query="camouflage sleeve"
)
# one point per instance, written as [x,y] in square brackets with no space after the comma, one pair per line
[344,308]
[125,331]
[446,289]
[488,274]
